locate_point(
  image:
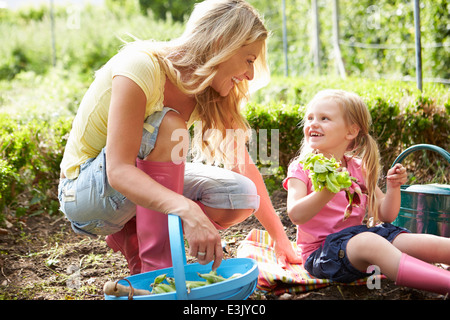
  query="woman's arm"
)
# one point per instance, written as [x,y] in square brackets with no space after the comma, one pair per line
[267,215]
[125,125]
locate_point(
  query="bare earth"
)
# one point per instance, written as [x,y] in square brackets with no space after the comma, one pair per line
[41,258]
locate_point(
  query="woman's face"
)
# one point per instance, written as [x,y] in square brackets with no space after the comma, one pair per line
[239,67]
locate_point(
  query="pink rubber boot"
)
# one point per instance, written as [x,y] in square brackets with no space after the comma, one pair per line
[415,273]
[126,241]
[152,226]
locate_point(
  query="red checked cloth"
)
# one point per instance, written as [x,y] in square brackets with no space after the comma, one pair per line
[272,277]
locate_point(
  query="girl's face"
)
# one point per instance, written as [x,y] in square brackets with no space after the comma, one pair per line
[326,130]
[239,67]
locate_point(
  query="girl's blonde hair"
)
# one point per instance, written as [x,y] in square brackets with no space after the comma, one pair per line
[364,146]
[214,32]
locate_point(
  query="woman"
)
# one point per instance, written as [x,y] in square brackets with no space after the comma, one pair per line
[122,158]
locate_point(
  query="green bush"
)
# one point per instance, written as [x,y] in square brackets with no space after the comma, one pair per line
[27,31]
[83,48]
[34,129]
[31,153]
[402,116]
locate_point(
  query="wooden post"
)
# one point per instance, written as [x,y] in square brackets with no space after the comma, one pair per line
[52,26]
[418,44]
[316,33]
[285,43]
[337,49]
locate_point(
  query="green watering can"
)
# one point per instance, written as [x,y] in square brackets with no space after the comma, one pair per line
[425,208]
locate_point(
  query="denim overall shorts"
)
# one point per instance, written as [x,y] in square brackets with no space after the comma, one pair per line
[94,208]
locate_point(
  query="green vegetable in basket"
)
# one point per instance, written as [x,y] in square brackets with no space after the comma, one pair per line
[159,286]
[163,288]
[160,278]
[189,284]
[211,277]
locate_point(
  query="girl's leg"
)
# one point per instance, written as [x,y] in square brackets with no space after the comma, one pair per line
[414,269]
[418,274]
[426,247]
[367,248]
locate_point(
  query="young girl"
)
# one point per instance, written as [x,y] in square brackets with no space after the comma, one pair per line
[336,124]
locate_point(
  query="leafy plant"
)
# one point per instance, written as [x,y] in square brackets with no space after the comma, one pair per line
[326,173]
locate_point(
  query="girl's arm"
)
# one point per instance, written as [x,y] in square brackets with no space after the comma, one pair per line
[267,215]
[302,207]
[390,202]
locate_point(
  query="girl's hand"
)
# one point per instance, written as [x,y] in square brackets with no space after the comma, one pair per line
[396,176]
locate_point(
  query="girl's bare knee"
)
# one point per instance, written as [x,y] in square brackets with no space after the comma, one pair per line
[368,248]
[362,248]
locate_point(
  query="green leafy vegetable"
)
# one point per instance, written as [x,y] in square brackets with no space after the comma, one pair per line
[328,173]
[159,286]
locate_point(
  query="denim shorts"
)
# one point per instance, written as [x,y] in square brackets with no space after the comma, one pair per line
[94,208]
[330,260]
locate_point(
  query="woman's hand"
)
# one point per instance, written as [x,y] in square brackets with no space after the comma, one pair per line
[203,238]
[285,253]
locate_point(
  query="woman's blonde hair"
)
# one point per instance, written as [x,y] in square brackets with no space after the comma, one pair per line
[214,32]
[364,146]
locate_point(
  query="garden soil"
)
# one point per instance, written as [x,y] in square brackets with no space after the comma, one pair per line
[41,258]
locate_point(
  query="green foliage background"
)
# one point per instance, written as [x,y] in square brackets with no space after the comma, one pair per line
[26,36]
[384,22]
[38,100]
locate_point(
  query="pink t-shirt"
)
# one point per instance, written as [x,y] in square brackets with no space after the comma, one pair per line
[312,234]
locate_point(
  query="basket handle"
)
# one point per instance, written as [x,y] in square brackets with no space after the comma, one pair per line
[178,255]
[416,147]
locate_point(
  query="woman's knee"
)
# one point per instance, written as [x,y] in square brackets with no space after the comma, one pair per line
[219,188]
[172,141]
[226,218]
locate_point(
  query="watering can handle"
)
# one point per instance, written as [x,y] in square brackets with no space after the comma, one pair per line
[178,255]
[416,147]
